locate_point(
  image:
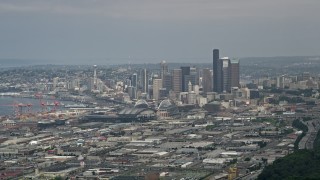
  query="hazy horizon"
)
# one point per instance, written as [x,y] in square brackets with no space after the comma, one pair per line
[114,62]
[78,31]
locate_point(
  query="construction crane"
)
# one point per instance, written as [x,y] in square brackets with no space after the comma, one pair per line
[42,103]
[29,106]
[56,105]
[18,108]
[15,106]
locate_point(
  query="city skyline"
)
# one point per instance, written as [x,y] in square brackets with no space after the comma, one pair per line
[94,116]
[140,31]
[170,89]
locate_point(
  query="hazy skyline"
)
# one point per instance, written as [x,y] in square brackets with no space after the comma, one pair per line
[174,30]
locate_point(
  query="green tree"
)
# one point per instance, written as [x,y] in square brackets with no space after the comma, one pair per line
[58,178]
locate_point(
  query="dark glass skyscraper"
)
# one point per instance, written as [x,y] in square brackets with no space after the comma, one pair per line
[217,72]
[184,72]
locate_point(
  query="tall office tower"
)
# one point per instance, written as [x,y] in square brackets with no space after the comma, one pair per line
[95,76]
[132,91]
[167,81]
[139,80]
[144,80]
[134,80]
[234,72]
[177,80]
[164,69]
[206,80]
[215,60]
[157,85]
[190,87]
[165,76]
[217,72]
[220,76]
[195,72]
[226,78]
[184,72]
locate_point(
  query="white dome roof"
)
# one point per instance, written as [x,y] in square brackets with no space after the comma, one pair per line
[141,104]
[166,104]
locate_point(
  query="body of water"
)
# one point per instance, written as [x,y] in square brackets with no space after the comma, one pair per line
[8,104]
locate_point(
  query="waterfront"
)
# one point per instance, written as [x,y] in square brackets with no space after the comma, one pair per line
[7,104]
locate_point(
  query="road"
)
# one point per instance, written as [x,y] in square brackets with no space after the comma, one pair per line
[313,128]
[251,176]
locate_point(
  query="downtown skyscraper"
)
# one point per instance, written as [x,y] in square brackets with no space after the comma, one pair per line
[206,80]
[225,73]
[177,80]
[185,72]
[235,73]
[217,72]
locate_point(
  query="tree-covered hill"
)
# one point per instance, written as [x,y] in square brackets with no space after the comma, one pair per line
[302,165]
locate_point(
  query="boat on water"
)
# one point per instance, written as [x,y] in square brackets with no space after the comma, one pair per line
[75,106]
[54,104]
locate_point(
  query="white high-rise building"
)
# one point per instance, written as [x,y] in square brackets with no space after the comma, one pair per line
[157,85]
[94,77]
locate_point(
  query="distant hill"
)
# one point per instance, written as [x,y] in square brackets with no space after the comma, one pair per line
[13,62]
[280,61]
[248,65]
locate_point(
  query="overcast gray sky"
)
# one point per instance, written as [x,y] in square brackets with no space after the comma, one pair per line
[175,30]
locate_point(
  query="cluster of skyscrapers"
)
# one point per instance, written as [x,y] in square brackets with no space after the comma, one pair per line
[225,73]
[171,83]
